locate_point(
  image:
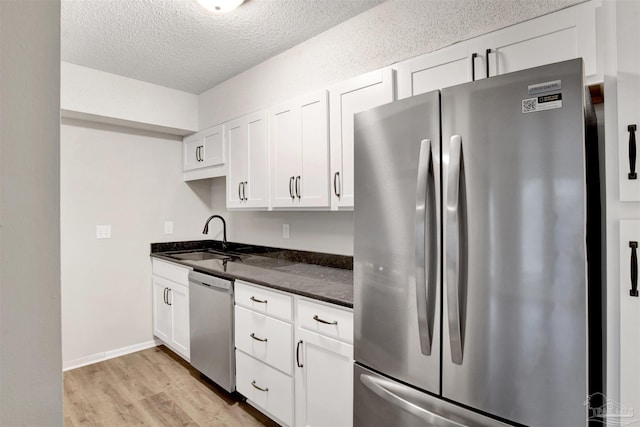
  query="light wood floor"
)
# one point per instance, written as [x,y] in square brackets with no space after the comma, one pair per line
[155,388]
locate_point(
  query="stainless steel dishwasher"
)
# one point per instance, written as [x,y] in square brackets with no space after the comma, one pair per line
[211,328]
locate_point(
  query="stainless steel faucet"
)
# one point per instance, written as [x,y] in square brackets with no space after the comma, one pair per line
[205,230]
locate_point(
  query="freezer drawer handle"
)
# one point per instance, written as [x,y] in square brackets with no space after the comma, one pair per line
[634,269]
[381,388]
[326,322]
[426,246]
[258,339]
[456,249]
[253,383]
[632,152]
[261,301]
[300,365]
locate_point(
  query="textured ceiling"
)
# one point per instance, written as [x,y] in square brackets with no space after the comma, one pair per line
[178,44]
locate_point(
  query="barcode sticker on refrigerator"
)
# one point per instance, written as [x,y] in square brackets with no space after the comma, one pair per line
[541,103]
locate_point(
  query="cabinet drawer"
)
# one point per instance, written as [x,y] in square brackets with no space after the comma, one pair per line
[326,320]
[264,338]
[262,300]
[170,271]
[265,387]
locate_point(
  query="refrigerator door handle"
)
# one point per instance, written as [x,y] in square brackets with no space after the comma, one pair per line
[393,394]
[456,249]
[425,246]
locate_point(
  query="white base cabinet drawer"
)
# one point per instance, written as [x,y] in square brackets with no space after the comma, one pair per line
[264,338]
[266,388]
[265,301]
[326,320]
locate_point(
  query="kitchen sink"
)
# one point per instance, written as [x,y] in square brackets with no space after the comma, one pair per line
[201,255]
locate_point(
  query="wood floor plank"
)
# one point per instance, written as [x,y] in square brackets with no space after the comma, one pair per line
[154,388]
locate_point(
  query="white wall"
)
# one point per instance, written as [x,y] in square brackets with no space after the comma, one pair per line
[388,33]
[103,97]
[30,361]
[132,180]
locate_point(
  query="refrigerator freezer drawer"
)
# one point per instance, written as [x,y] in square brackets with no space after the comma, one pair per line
[381,401]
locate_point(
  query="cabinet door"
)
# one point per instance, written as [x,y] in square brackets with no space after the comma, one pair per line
[236,136]
[446,67]
[214,152]
[286,153]
[353,96]
[567,34]
[179,301]
[628,81]
[323,381]
[256,189]
[192,150]
[161,310]
[629,317]
[312,184]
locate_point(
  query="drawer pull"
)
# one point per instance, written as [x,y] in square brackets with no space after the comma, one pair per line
[253,383]
[254,299]
[326,322]
[257,339]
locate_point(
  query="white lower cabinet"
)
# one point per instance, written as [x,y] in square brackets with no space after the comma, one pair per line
[324,365]
[265,388]
[170,289]
[308,382]
[264,342]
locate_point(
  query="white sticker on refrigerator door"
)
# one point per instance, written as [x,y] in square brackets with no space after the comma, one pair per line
[541,103]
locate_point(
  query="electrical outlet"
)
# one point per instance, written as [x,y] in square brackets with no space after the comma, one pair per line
[103,231]
[168,227]
[285,231]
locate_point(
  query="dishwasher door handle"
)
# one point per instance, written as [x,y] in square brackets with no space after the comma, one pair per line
[210,281]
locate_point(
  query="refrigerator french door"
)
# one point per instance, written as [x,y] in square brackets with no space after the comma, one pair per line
[470,256]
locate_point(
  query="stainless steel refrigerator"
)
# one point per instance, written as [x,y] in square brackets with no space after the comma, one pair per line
[477,297]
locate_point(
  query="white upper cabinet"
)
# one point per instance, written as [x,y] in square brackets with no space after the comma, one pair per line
[567,34]
[446,67]
[204,154]
[299,151]
[345,99]
[248,175]
[628,88]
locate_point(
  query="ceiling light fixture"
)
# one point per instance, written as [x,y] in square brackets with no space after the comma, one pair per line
[220,6]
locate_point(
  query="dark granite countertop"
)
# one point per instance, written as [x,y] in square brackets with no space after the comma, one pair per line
[324,277]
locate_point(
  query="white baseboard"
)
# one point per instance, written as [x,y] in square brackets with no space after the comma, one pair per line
[99,357]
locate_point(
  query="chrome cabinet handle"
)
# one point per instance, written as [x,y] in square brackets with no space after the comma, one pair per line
[456,258]
[426,246]
[291,187]
[300,365]
[254,299]
[244,190]
[326,322]
[165,296]
[632,152]
[239,191]
[634,269]
[258,339]
[253,383]
[298,186]
[168,301]
[336,177]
